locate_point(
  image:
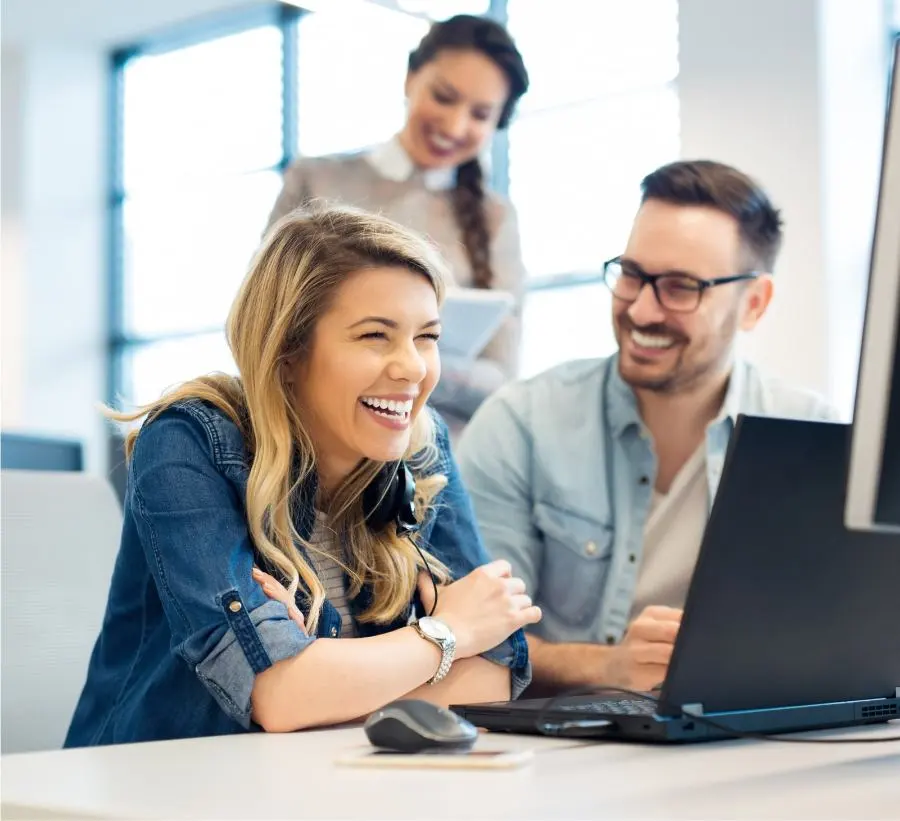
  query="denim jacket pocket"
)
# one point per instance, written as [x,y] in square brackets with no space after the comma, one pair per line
[577,553]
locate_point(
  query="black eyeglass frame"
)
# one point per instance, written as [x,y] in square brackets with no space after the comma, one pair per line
[702,285]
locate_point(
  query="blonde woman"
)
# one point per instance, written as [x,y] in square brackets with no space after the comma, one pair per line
[297,468]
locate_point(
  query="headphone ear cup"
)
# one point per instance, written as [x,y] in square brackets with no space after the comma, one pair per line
[406,501]
[390,497]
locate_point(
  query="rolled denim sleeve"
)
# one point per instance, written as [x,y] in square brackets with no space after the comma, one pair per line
[192,527]
[452,536]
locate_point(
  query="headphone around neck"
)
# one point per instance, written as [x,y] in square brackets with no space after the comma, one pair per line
[390,497]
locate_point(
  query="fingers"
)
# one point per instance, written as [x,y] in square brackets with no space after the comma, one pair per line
[273,588]
[526,612]
[658,612]
[498,569]
[653,631]
[514,586]
[520,601]
[529,615]
[654,653]
[297,616]
[276,591]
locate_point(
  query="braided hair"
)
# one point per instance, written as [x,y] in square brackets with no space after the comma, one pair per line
[466,31]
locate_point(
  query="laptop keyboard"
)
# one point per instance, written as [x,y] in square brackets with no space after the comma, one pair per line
[612,706]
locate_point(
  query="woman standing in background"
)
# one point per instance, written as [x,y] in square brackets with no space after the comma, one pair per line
[463,83]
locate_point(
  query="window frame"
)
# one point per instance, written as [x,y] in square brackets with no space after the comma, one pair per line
[283,16]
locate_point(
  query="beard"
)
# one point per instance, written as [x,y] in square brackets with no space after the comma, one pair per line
[692,360]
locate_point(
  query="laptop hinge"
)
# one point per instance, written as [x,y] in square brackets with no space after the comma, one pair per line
[692,709]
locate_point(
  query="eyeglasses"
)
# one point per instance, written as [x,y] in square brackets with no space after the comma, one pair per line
[680,293]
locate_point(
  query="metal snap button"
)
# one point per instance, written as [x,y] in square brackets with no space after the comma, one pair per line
[590,548]
[235,607]
[333,632]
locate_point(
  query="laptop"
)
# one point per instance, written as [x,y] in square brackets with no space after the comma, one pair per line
[792,622]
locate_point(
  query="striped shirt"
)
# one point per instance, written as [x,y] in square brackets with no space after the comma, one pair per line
[330,572]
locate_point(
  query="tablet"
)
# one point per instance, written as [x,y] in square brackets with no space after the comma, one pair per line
[469,319]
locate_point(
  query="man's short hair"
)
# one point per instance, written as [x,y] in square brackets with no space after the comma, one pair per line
[705,182]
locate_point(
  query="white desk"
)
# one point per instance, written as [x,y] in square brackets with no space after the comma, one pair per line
[294,776]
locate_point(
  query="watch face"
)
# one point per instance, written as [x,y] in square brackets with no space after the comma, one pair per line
[434,628]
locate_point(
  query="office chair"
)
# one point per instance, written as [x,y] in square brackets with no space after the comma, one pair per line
[60,535]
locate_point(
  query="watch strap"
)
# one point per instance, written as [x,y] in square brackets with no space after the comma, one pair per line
[448,652]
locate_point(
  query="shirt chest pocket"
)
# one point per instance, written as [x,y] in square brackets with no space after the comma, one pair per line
[577,554]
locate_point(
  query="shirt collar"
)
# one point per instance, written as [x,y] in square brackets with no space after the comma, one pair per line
[622,403]
[731,407]
[623,408]
[393,163]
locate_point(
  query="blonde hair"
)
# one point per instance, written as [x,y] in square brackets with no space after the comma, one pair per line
[292,281]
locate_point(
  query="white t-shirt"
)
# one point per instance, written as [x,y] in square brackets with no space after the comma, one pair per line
[672,536]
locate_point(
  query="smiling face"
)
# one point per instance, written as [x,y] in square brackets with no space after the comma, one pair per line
[454,103]
[665,351]
[373,364]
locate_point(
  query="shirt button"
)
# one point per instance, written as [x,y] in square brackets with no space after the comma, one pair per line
[333,632]
[644,480]
[235,607]
[610,639]
[590,548]
[632,558]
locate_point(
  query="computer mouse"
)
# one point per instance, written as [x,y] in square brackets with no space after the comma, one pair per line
[412,726]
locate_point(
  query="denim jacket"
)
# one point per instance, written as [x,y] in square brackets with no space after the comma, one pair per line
[186,628]
[561,470]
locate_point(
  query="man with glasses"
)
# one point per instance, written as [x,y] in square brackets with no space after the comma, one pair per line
[595,479]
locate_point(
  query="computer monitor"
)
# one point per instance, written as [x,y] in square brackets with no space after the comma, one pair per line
[873,486]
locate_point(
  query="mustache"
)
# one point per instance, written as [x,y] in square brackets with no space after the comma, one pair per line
[658,328]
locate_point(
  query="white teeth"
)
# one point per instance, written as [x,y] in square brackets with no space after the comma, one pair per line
[442,142]
[652,340]
[393,407]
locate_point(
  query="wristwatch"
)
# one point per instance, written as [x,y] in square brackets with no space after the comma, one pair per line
[435,631]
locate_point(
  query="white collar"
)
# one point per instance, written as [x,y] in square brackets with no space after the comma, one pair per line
[393,163]
[734,393]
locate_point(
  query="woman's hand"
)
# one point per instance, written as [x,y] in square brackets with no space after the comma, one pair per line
[483,609]
[275,590]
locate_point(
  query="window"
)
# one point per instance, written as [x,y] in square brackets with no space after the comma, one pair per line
[205,127]
[200,153]
[329,44]
[614,100]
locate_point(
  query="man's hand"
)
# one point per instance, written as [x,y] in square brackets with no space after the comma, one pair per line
[641,660]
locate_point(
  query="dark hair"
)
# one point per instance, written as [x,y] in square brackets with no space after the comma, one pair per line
[705,182]
[465,32]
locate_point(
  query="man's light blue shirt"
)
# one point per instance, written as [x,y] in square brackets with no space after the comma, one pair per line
[561,471]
